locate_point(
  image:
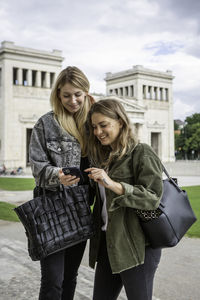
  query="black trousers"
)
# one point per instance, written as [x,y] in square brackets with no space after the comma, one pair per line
[59,273]
[137,281]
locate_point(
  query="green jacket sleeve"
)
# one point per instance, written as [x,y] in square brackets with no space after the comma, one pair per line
[147,189]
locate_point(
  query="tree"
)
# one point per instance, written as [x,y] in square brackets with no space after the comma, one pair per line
[195,118]
[187,144]
[192,143]
[176,127]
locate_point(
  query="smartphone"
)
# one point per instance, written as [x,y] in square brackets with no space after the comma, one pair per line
[74,171]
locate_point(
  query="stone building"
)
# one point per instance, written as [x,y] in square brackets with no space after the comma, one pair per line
[26,78]
[147,97]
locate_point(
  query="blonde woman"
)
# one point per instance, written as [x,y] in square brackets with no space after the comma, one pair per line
[129,177]
[59,140]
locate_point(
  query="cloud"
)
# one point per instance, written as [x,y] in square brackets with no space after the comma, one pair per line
[182,109]
[113,35]
[182,8]
[165,48]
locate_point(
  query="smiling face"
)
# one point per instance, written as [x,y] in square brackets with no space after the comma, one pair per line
[105,129]
[72,98]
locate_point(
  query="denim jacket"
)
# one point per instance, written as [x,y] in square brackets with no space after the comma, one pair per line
[53,147]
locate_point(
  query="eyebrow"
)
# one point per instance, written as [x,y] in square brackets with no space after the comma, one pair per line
[99,123]
[65,92]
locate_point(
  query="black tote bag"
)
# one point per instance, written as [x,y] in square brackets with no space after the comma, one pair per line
[167,225]
[56,220]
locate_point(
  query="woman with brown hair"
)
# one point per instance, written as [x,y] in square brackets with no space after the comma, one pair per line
[128,177]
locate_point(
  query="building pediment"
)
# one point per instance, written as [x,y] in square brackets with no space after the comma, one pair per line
[128,104]
[135,112]
[131,106]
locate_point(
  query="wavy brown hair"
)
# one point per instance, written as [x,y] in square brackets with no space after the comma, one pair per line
[101,155]
[73,124]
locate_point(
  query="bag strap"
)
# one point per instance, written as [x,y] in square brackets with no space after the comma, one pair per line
[43,172]
[171,179]
[164,170]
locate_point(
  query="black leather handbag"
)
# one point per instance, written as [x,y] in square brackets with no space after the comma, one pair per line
[56,220]
[166,226]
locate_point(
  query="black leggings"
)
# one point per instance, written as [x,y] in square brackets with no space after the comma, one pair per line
[137,281]
[59,273]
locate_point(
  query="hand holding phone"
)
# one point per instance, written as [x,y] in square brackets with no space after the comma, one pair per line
[73,171]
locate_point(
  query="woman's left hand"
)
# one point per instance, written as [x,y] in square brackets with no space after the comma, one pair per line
[100,176]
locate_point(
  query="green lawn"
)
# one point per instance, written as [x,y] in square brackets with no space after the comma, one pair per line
[194,196]
[7,213]
[22,184]
[16,184]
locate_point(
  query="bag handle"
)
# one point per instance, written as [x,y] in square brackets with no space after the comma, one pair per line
[170,178]
[165,171]
[43,172]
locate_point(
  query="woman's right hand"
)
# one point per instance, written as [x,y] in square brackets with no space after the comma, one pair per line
[67,179]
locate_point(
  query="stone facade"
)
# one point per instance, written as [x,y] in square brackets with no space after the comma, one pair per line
[147,97]
[26,78]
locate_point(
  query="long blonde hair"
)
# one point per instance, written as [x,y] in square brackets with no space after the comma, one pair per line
[73,124]
[101,155]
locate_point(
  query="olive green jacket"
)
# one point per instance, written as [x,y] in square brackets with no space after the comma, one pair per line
[140,173]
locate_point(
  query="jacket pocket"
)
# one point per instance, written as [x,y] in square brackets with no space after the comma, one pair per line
[59,147]
[64,153]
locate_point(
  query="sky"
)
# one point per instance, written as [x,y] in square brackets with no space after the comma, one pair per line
[101,36]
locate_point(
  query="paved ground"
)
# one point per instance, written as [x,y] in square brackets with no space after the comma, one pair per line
[177,278]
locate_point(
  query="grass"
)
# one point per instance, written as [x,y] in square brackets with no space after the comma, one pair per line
[23,184]
[7,213]
[17,184]
[13,184]
[194,197]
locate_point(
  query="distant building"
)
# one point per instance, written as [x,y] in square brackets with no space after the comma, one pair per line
[179,126]
[179,123]
[26,79]
[147,97]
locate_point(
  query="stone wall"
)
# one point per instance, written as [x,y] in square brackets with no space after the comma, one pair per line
[183,168]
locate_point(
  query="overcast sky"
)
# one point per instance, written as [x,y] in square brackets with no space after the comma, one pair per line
[102,36]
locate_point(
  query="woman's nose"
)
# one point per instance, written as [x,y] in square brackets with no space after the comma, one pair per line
[98,131]
[73,98]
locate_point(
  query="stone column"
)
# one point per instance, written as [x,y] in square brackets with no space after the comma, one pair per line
[19,76]
[47,80]
[38,79]
[157,94]
[129,91]
[29,77]
[124,91]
